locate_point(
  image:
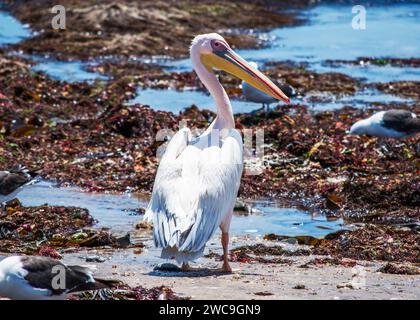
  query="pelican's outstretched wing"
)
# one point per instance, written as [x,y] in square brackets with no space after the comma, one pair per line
[195,189]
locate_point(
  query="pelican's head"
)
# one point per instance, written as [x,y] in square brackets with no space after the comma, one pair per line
[215,52]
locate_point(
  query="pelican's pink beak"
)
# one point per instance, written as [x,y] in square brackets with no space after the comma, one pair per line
[229,61]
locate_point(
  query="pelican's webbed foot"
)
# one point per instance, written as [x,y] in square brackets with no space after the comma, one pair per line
[187,268]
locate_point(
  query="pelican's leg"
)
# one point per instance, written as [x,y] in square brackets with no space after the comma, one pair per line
[186,268]
[224,227]
[225,244]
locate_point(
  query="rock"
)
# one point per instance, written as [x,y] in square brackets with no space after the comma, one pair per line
[292,241]
[263,293]
[242,208]
[79,236]
[96,238]
[124,241]
[93,258]
[144,225]
[299,286]
[345,285]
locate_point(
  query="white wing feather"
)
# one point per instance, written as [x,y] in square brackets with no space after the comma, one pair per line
[195,189]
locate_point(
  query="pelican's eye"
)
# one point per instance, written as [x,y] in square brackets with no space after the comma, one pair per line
[218,45]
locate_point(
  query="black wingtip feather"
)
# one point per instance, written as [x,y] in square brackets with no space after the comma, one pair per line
[80,272]
[97,285]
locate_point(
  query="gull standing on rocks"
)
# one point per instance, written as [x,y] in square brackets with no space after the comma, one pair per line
[34,278]
[388,124]
[255,95]
[14,181]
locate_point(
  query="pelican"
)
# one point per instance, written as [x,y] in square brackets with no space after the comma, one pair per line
[197,181]
[388,124]
[254,95]
[36,278]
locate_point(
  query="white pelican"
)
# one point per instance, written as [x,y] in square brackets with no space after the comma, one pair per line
[388,124]
[197,181]
[33,278]
[13,181]
[254,95]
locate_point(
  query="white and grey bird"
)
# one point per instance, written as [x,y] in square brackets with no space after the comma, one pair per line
[198,178]
[14,181]
[36,278]
[254,95]
[388,124]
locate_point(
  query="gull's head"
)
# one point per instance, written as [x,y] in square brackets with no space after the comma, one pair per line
[215,52]
[360,127]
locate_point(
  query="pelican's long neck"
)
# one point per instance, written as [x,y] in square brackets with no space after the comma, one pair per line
[224,118]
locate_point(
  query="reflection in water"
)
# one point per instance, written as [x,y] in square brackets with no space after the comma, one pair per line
[116,211]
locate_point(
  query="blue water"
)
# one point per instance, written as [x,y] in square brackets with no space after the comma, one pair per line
[69,71]
[175,101]
[391,31]
[370,72]
[113,210]
[110,210]
[362,99]
[11,30]
[284,221]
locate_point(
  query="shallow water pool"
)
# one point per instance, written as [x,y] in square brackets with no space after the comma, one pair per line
[391,31]
[175,100]
[69,71]
[117,211]
[11,30]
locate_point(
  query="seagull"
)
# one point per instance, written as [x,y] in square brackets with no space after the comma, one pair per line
[14,181]
[198,178]
[43,278]
[388,124]
[254,95]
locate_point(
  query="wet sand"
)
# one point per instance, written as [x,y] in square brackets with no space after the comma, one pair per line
[259,281]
